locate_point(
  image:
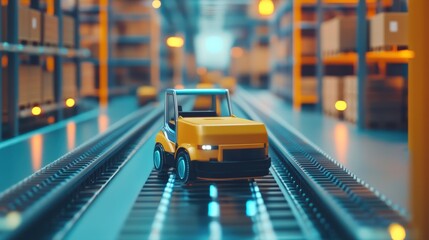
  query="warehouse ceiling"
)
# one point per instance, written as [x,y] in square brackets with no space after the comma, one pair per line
[200,15]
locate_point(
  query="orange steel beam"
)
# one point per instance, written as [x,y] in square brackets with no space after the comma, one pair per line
[104,53]
[296,75]
[418,117]
[50,7]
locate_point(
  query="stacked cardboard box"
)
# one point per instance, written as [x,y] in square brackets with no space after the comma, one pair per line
[308,86]
[338,35]
[383,101]
[50,30]
[388,30]
[332,91]
[68,31]
[134,28]
[48,87]
[132,51]
[259,64]
[130,7]
[87,79]
[308,46]
[35,28]
[69,80]
[34,85]
[240,65]
[23,24]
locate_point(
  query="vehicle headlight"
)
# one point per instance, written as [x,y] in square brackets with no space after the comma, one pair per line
[207,147]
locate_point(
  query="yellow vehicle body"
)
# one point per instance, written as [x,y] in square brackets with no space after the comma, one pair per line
[218,147]
[146,94]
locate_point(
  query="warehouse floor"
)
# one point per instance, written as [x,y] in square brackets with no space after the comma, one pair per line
[380,158]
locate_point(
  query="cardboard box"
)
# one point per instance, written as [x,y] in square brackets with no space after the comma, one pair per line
[338,35]
[308,86]
[133,51]
[23,26]
[259,60]
[47,87]
[332,91]
[34,85]
[241,66]
[50,30]
[131,7]
[88,2]
[87,79]
[308,47]
[134,28]
[385,99]
[68,31]
[389,29]
[69,81]
[23,80]
[35,26]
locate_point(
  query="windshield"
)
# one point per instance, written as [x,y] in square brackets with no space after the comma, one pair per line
[208,105]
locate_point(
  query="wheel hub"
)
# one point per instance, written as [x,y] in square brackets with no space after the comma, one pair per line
[157,159]
[181,168]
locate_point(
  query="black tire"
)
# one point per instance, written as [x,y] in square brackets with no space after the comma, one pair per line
[184,169]
[159,158]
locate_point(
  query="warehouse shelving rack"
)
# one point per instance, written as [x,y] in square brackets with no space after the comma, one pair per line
[13,49]
[292,66]
[152,39]
[104,14]
[359,59]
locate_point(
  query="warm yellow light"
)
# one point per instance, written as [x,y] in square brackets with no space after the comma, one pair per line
[70,102]
[341,105]
[36,111]
[156,4]
[236,52]
[175,42]
[397,231]
[266,7]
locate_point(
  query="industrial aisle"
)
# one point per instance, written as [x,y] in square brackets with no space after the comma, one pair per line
[30,152]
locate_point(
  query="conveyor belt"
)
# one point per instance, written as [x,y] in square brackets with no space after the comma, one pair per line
[344,201]
[243,209]
[62,190]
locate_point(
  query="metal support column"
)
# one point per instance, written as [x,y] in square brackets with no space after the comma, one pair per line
[13,69]
[319,62]
[77,46]
[58,73]
[104,52]
[418,117]
[361,43]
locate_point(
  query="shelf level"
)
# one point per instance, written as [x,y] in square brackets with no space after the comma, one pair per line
[129,62]
[40,50]
[402,56]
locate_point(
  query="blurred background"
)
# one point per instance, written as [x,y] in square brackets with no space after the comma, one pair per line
[337,71]
[306,52]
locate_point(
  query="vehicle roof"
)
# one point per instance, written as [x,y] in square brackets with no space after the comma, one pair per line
[210,91]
